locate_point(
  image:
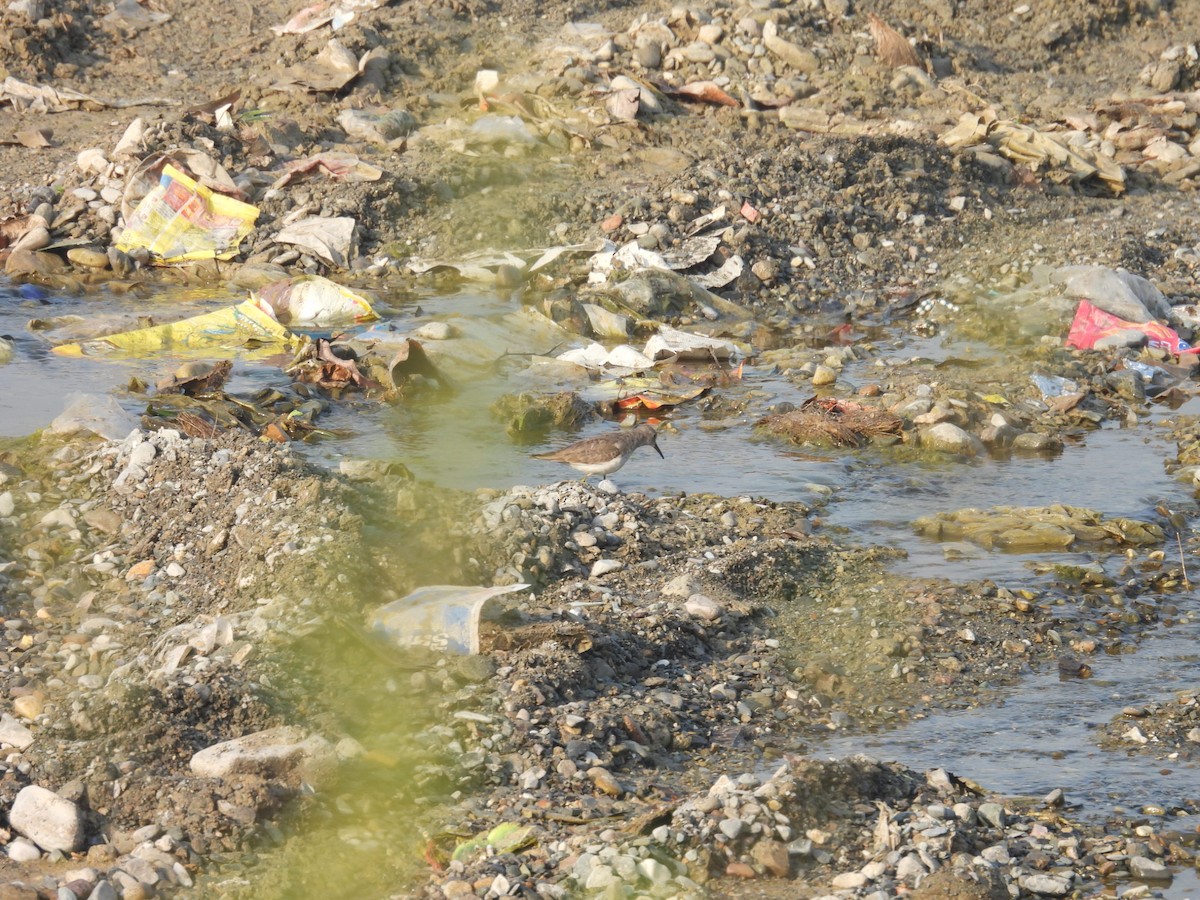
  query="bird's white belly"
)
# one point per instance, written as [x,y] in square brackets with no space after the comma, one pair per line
[602,468]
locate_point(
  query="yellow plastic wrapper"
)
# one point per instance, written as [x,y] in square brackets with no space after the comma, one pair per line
[180,220]
[231,329]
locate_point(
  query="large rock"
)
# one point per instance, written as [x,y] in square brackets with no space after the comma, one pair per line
[1125,295]
[276,753]
[949,438]
[50,821]
[31,262]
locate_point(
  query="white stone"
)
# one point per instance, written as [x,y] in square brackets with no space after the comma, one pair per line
[50,821]
[602,567]
[849,880]
[273,753]
[434,331]
[1045,884]
[654,870]
[91,160]
[1148,869]
[599,878]
[909,869]
[142,455]
[58,518]
[703,607]
[732,828]
[23,850]
[7,504]
[14,733]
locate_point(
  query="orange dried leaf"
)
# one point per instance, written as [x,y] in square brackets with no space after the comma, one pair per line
[706,92]
[640,400]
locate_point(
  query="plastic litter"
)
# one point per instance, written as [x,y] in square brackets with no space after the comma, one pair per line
[231,329]
[41,98]
[494,129]
[1115,291]
[337,165]
[1051,386]
[595,356]
[441,618]
[330,70]
[1094,329]
[97,413]
[181,220]
[313,300]
[673,344]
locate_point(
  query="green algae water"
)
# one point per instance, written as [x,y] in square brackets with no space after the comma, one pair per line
[366,834]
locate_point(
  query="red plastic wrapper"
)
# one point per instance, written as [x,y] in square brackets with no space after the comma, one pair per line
[1092,324]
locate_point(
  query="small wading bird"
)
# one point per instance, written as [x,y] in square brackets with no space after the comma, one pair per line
[605,454]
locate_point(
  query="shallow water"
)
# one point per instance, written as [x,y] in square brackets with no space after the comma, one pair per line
[452,439]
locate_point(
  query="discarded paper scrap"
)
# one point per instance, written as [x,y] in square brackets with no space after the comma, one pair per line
[330,70]
[131,17]
[230,329]
[482,266]
[335,15]
[181,220]
[441,618]
[337,165]
[705,92]
[329,238]
[43,98]
[1031,147]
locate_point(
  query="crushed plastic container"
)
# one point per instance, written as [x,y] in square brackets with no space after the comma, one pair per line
[442,618]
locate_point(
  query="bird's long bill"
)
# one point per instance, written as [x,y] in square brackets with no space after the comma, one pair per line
[660,453]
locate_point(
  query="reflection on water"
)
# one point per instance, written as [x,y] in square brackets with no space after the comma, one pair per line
[1116,471]
[1040,735]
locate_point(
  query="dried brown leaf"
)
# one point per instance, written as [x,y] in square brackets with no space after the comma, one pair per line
[35,138]
[891,47]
